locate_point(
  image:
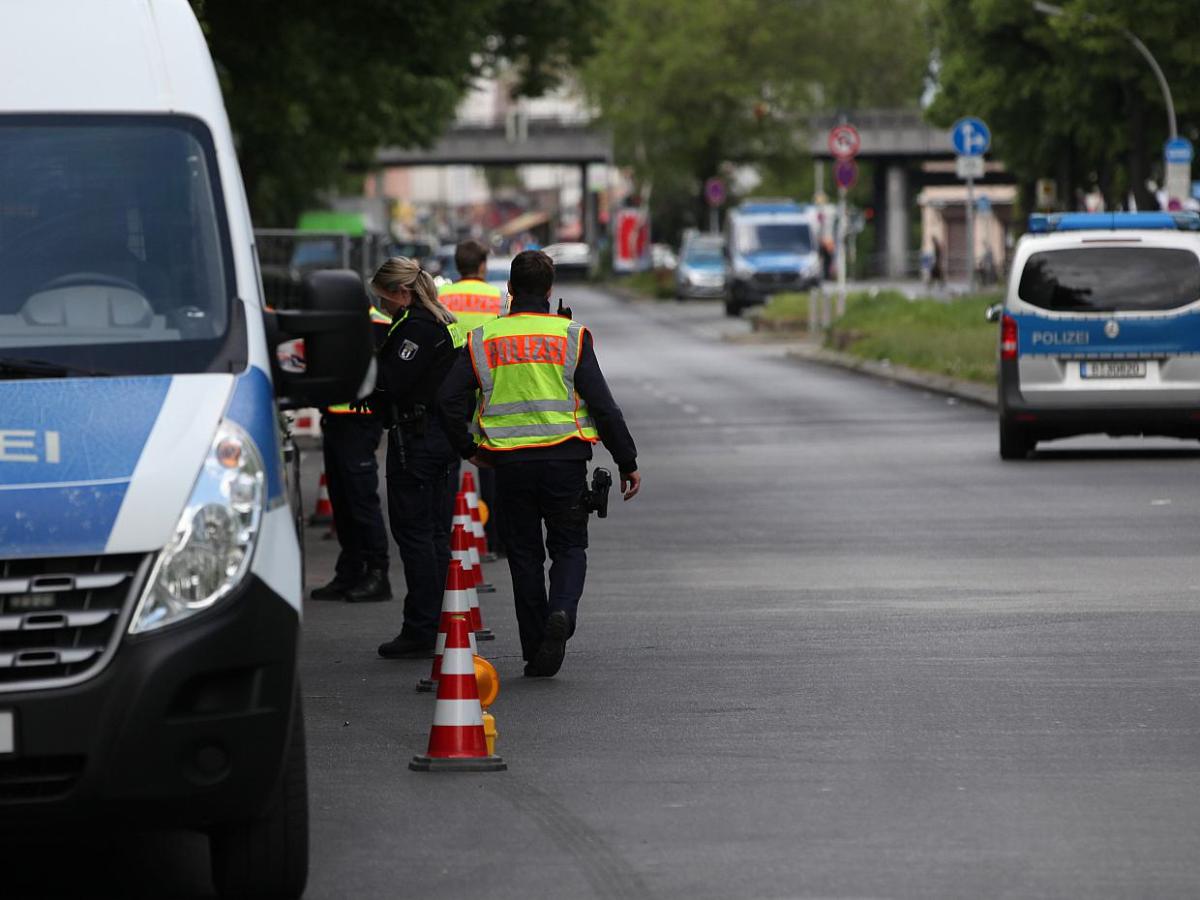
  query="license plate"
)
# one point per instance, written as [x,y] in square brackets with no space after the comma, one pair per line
[1118,368]
[8,733]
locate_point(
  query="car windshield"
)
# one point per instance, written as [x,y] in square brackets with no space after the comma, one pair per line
[707,252]
[113,254]
[1109,279]
[774,238]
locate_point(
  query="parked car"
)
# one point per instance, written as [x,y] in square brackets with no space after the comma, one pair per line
[1100,329]
[702,270]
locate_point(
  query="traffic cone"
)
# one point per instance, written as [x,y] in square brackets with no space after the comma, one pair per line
[323,514]
[476,529]
[457,599]
[457,742]
[463,549]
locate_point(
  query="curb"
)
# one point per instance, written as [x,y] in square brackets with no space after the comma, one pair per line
[971,392]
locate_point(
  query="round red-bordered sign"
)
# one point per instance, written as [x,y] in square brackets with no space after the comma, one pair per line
[844,142]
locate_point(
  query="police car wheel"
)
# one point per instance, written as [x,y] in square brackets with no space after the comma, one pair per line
[267,858]
[1016,442]
[732,307]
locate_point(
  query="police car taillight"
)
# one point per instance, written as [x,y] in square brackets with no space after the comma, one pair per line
[1008,337]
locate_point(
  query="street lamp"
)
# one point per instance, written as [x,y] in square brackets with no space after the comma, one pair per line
[1049,9]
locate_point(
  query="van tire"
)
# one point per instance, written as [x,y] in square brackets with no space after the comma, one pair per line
[267,858]
[1016,442]
[733,309]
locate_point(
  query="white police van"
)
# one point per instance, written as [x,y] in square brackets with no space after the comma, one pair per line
[1100,329]
[150,567]
[772,247]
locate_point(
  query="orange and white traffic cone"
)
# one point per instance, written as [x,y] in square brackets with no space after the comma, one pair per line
[457,742]
[323,514]
[464,550]
[457,600]
[476,529]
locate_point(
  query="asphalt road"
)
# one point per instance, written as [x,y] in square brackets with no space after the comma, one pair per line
[835,649]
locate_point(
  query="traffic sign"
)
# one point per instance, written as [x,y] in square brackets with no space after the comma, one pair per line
[845,173]
[970,137]
[984,204]
[969,166]
[1178,150]
[844,142]
[714,191]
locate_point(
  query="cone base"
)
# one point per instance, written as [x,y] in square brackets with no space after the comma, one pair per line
[441,764]
[426,685]
[485,588]
[485,634]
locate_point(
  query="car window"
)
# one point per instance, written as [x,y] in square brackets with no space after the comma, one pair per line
[1108,279]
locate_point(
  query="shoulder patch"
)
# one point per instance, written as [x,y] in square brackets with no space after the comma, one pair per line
[408,349]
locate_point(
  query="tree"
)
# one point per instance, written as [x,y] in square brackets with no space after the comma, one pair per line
[689,86]
[1068,97]
[314,88]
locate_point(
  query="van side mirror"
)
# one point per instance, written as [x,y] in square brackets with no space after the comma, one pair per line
[323,352]
[994,312]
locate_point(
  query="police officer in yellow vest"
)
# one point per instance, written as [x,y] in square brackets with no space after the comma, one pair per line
[472,300]
[544,404]
[350,437]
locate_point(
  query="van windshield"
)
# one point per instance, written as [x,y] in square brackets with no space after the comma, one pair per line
[1111,279]
[114,257]
[774,238]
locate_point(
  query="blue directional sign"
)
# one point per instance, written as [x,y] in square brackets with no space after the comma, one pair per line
[971,137]
[1178,150]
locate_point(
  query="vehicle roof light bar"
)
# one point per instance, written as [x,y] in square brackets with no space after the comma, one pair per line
[1046,223]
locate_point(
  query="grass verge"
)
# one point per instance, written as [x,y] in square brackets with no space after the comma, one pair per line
[657,284]
[949,337]
[786,310]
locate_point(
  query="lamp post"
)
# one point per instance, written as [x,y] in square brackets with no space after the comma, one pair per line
[1049,9]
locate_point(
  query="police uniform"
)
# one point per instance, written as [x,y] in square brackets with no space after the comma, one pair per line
[474,302]
[350,438]
[544,404]
[413,360]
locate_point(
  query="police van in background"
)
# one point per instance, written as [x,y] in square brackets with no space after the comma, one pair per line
[150,566]
[1100,329]
[772,247]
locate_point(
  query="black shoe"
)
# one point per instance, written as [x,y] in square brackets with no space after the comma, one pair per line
[402,647]
[371,588]
[549,657]
[335,590]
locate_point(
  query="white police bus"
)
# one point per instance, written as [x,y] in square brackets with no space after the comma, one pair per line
[150,567]
[772,247]
[1100,329]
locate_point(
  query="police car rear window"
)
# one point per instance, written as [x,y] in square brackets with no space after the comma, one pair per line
[1111,279]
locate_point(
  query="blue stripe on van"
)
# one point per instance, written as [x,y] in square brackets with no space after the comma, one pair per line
[1168,335]
[253,408]
[68,447]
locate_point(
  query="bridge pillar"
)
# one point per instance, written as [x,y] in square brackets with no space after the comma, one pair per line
[896,220]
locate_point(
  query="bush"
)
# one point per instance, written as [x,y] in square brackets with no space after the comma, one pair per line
[659,284]
[950,337]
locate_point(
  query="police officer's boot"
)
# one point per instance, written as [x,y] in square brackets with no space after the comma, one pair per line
[372,587]
[335,590]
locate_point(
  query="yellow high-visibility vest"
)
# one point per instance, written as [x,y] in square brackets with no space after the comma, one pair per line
[473,302]
[525,364]
[378,317]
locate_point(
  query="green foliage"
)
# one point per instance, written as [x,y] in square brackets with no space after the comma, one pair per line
[947,337]
[313,88]
[689,87]
[657,284]
[1069,97]
[789,309]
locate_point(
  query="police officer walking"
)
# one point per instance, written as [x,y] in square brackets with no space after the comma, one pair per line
[544,404]
[350,437]
[413,360]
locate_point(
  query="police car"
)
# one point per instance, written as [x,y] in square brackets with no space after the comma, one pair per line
[1100,329]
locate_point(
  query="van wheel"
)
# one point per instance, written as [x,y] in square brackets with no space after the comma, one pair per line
[733,309]
[1015,442]
[267,858]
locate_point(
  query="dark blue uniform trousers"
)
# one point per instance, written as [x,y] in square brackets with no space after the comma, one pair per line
[531,493]
[420,526]
[352,476]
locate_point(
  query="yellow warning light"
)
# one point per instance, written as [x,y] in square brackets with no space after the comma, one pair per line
[483,512]
[487,680]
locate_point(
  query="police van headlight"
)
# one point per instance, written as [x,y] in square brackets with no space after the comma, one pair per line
[213,544]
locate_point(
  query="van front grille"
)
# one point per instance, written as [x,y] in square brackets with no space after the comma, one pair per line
[61,619]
